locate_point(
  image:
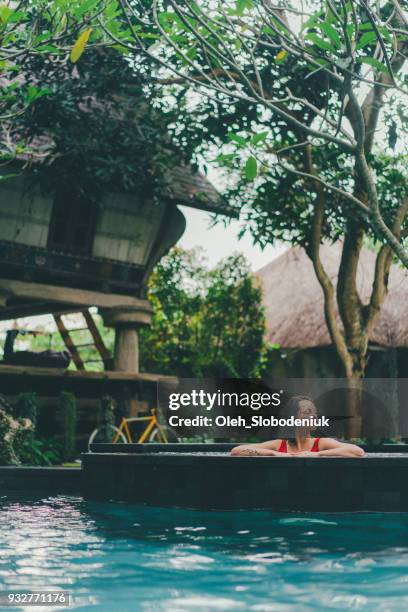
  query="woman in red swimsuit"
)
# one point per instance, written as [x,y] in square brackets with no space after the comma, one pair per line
[303,444]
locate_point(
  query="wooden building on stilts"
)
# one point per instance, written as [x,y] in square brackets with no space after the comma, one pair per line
[60,253]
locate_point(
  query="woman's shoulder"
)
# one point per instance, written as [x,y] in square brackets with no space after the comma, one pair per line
[326,443]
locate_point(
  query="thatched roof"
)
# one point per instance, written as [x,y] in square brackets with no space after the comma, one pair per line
[293,299]
[194,189]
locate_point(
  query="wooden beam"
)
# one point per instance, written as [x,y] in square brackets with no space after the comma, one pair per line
[76,375]
[97,338]
[69,343]
[19,310]
[69,295]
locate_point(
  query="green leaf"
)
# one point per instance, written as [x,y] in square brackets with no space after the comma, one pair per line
[346,9]
[167,19]
[225,158]
[385,33]
[240,140]
[331,33]
[350,30]
[79,47]
[280,26]
[251,168]
[331,17]
[33,93]
[311,22]
[112,9]
[242,5]
[5,14]
[48,49]
[319,42]
[367,39]
[375,63]
[368,26]
[192,53]
[257,138]
[18,16]
[85,7]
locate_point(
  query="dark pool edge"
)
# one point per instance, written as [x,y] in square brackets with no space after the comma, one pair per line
[220,482]
[56,480]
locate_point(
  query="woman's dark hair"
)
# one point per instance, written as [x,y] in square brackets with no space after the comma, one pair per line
[292,409]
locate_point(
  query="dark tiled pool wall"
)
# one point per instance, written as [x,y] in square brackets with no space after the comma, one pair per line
[210,481]
[47,480]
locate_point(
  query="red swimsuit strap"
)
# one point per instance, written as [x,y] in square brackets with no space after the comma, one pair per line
[315,447]
[283,448]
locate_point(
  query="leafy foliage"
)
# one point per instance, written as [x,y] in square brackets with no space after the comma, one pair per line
[305,78]
[325,85]
[13,434]
[27,407]
[40,451]
[43,28]
[96,124]
[19,443]
[205,322]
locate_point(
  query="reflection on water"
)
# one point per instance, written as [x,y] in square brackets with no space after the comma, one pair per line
[123,557]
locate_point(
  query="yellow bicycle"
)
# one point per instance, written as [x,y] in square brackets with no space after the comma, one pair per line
[152,432]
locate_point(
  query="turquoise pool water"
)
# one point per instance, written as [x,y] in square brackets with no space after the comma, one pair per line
[118,557]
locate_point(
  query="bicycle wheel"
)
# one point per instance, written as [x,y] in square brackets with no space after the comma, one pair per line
[168,432]
[99,435]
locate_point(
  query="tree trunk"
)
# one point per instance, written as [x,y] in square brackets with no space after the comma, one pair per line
[354,406]
[355,367]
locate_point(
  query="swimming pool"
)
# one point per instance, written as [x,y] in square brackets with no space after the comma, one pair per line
[115,556]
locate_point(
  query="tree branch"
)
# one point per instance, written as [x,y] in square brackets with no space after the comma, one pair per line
[382,268]
[321,274]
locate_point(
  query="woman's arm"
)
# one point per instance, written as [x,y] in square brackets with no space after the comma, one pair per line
[333,448]
[265,449]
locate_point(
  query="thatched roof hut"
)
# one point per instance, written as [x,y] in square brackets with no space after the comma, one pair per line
[293,299]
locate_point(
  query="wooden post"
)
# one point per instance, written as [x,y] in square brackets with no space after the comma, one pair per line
[126,356]
[127,322]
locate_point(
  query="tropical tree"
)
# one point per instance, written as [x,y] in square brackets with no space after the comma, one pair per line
[262,52]
[310,102]
[205,322]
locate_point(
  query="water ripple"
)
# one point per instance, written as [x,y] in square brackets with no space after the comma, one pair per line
[117,556]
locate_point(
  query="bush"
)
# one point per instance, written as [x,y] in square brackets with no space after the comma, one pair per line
[47,451]
[27,407]
[67,417]
[106,418]
[13,434]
